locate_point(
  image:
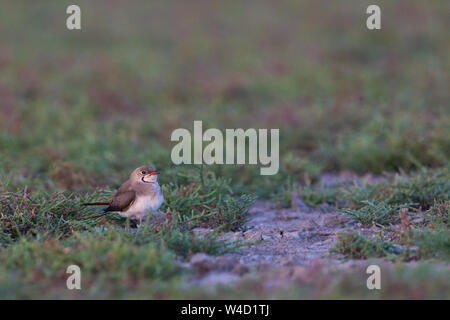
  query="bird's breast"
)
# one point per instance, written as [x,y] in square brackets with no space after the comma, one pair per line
[147,203]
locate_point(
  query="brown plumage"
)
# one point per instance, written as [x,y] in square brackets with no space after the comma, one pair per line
[137,196]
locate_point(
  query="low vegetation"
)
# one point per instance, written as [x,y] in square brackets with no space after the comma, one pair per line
[76,119]
[409,217]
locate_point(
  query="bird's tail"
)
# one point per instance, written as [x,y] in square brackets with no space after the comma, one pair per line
[96,204]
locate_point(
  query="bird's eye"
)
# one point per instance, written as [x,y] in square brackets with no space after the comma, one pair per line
[144,172]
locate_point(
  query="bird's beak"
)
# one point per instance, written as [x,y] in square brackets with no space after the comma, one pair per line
[149,177]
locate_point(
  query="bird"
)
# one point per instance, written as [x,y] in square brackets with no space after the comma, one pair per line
[137,196]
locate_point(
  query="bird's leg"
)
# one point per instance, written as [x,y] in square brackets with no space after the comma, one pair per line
[153,220]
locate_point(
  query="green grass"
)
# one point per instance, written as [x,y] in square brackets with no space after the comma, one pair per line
[110,264]
[379,213]
[59,215]
[357,246]
[312,197]
[428,230]
[420,190]
[207,201]
[380,203]
[80,110]
[41,234]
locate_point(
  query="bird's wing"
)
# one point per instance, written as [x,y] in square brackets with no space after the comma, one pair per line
[123,198]
[121,201]
[126,186]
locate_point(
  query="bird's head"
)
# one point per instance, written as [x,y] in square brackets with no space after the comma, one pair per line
[145,174]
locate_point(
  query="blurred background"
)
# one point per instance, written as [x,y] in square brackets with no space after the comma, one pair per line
[80,109]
